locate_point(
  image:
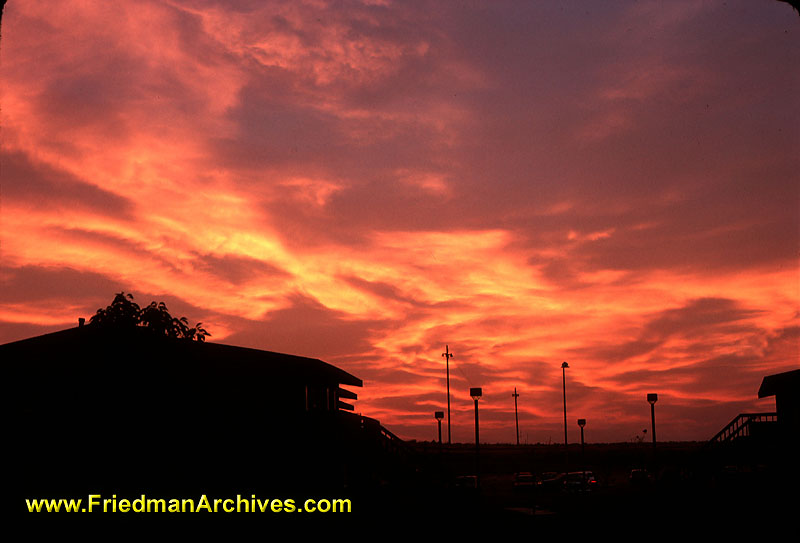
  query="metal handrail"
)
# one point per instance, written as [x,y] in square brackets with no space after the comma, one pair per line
[740,426]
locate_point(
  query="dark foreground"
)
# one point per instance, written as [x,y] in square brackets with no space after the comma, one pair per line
[685,487]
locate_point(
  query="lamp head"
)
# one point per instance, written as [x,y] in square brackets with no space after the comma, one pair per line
[581,422]
[564,365]
[439,415]
[652,398]
[475,393]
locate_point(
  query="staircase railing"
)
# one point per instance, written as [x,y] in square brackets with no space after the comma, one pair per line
[742,425]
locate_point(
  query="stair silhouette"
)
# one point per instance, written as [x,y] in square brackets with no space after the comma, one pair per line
[742,426]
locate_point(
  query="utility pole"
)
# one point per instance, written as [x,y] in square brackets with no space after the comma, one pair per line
[448,355]
[516,415]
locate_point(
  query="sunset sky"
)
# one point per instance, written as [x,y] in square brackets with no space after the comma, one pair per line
[611,184]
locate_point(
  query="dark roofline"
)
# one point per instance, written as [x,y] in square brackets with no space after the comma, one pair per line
[260,355]
[779,382]
[242,354]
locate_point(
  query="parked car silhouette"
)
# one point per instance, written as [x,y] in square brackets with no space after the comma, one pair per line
[580,481]
[524,481]
[552,482]
[640,477]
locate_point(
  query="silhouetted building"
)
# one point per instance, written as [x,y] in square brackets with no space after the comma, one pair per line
[786,389]
[767,438]
[92,408]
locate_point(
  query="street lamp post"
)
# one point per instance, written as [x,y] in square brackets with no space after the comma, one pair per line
[564,366]
[439,415]
[476,394]
[582,423]
[516,414]
[448,355]
[652,399]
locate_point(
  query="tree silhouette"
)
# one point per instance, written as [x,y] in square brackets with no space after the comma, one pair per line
[124,313]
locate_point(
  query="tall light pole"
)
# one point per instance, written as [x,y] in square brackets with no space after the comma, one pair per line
[447,356]
[564,366]
[516,414]
[652,399]
[476,394]
[439,415]
[582,423]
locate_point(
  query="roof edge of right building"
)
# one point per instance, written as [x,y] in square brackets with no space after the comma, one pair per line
[779,382]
